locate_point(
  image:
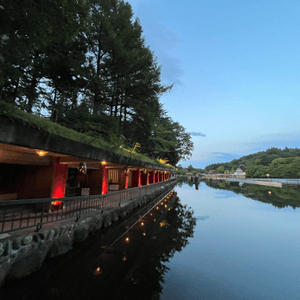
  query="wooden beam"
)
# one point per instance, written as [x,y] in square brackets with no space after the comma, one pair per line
[13,157]
[72,159]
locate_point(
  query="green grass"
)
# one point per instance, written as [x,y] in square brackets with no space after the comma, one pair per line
[16,114]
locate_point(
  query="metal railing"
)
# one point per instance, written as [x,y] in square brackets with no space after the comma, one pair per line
[21,214]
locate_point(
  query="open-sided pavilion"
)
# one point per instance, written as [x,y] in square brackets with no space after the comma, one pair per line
[36,164]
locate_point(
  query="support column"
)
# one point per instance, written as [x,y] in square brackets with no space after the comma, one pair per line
[59,185]
[104,180]
[126,181]
[157,176]
[139,174]
[153,177]
[148,178]
[59,181]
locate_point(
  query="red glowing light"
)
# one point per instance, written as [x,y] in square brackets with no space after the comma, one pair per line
[59,183]
[104,181]
[139,176]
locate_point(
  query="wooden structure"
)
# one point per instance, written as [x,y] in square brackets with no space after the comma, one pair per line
[36,164]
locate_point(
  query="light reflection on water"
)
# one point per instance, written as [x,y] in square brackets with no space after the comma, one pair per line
[242,248]
[227,246]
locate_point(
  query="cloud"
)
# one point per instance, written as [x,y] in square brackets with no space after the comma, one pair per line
[197,134]
[223,154]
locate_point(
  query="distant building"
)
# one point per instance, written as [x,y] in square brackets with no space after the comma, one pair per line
[213,172]
[241,170]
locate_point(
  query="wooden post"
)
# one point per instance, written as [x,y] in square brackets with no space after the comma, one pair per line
[104,180]
[59,181]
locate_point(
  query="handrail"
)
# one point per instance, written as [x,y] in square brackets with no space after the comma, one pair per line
[20,214]
[42,200]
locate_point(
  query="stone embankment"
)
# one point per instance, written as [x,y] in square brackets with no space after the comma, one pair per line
[268,183]
[23,252]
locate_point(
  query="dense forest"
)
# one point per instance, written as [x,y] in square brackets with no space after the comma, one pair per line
[274,162]
[84,64]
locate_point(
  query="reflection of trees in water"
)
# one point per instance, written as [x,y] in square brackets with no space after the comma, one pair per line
[278,197]
[164,243]
[180,182]
[188,180]
[190,183]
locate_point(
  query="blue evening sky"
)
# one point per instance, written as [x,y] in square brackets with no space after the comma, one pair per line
[235,65]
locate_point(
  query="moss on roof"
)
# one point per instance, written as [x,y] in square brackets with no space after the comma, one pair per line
[15,114]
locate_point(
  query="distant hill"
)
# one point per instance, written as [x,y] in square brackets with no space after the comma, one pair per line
[274,162]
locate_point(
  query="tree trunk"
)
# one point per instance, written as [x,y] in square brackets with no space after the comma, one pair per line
[53,113]
[31,94]
[96,91]
[59,106]
[16,90]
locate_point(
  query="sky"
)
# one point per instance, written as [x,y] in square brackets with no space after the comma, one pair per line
[235,66]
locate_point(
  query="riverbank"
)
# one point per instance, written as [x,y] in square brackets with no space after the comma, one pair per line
[274,182]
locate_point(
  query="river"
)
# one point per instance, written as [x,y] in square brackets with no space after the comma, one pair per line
[242,248]
[220,240]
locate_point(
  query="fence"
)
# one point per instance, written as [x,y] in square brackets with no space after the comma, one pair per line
[20,214]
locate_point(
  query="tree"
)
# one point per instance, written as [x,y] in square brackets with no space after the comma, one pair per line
[190,168]
[30,31]
[171,140]
[220,169]
[88,68]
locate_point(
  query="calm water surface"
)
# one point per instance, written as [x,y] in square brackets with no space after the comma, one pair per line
[242,248]
[239,242]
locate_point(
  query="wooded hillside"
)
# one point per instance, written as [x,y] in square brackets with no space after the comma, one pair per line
[274,162]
